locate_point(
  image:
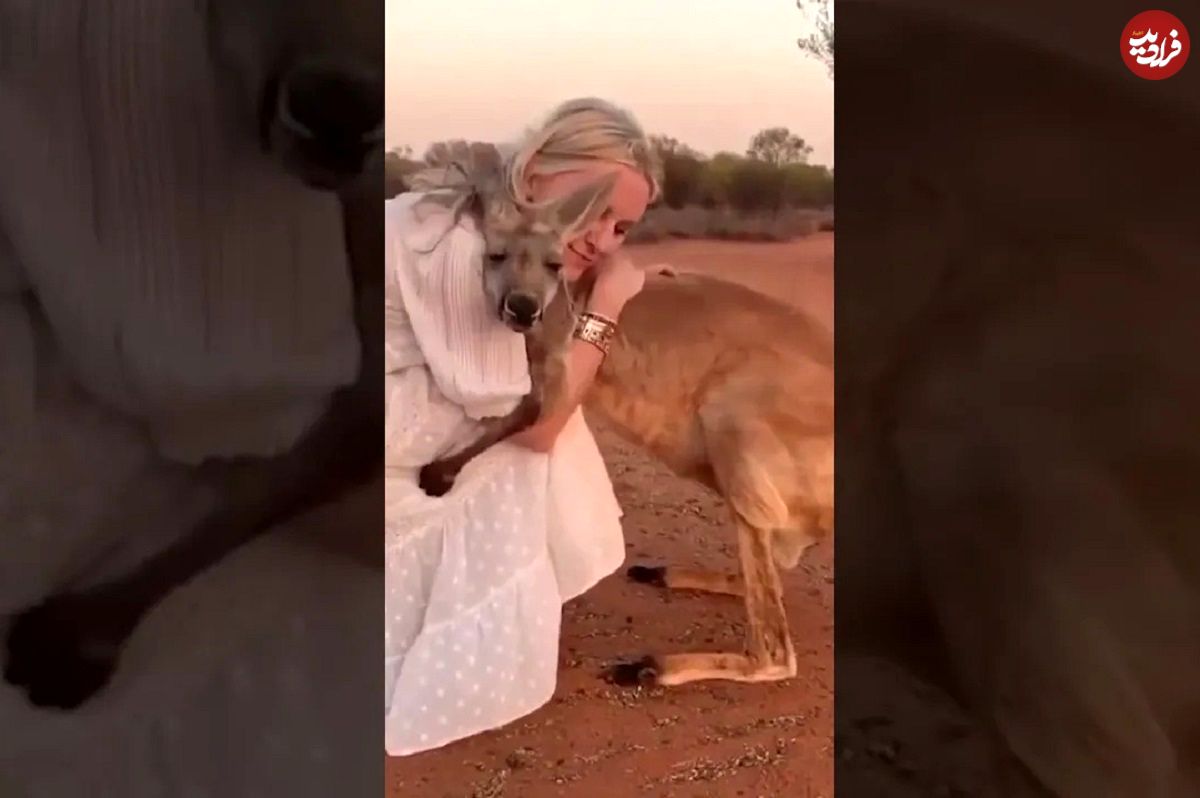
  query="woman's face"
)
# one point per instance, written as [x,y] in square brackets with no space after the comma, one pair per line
[630,195]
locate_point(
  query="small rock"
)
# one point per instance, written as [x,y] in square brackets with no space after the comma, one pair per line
[520,758]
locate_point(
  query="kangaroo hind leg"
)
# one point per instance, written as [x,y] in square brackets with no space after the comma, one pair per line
[743,458]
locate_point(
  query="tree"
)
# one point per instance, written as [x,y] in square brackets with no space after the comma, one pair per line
[682,167]
[681,180]
[397,165]
[778,146]
[807,186]
[819,43]
[756,185]
[716,178]
[669,146]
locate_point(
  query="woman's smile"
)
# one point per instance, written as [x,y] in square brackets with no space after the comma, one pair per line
[588,260]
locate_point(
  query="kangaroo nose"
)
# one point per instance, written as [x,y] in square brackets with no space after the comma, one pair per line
[336,107]
[522,309]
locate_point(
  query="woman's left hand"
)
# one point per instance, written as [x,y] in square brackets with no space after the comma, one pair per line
[618,280]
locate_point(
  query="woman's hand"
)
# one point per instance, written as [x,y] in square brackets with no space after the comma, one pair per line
[618,280]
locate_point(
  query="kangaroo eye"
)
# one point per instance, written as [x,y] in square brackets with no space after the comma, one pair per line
[497,258]
[554,266]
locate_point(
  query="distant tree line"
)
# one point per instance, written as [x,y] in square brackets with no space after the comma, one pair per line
[397,164]
[772,175]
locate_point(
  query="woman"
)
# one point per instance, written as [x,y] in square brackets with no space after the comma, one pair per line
[476,579]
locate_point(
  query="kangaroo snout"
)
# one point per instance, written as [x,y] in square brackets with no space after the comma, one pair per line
[520,311]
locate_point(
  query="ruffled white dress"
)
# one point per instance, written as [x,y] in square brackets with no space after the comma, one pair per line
[476,578]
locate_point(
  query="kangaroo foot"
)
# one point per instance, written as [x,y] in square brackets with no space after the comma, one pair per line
[675,578]
[437,478]
[669,670]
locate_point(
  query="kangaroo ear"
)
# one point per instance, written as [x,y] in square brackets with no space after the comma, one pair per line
[475,205]
[498,214]
[582,205]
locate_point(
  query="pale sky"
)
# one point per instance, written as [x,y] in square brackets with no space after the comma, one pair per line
[711,73]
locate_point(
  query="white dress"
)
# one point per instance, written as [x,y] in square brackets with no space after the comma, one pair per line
[475,579]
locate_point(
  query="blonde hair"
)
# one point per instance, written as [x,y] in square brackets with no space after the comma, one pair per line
[577,134]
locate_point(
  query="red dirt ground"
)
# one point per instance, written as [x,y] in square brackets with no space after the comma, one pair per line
[706,739]
[799,272]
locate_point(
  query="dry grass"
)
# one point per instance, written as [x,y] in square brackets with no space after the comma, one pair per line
[726,224]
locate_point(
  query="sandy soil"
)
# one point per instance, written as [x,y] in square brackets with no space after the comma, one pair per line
[707,739]
[799,272]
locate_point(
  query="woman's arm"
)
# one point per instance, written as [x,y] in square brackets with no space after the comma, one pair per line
[619,282]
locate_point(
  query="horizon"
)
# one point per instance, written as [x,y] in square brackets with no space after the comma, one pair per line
[671,82]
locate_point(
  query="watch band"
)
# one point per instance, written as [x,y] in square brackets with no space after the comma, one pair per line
[596,330]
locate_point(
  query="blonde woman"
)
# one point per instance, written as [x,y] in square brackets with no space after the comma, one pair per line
[476,579]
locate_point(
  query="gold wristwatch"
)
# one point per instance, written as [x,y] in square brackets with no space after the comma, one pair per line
[596,330]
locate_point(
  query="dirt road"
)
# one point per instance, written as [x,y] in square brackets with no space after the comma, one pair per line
[708,739]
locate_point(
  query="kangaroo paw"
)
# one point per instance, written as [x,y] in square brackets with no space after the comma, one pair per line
[437,478]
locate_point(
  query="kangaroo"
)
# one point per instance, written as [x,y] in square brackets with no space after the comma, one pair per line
[725,386]
[521,277]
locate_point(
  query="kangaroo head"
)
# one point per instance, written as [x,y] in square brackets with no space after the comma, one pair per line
[523,255]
